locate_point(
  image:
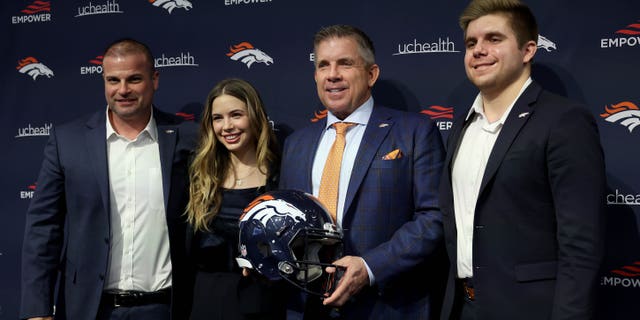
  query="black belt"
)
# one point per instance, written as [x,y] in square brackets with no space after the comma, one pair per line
[121,298]
[467,288]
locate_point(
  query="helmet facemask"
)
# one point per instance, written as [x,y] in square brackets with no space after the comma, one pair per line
[313,251]
[289,235]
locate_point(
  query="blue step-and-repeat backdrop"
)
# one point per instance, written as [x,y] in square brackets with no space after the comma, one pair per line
[51,63]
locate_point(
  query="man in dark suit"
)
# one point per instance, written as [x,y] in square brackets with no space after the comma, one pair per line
[106,222]
[387,193]
[523,187]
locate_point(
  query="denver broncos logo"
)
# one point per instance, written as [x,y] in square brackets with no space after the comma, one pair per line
[169,5]
[33,68]
[255,202]
[265,209]
[319,115]
[626,112]
[247,54]
[546,44]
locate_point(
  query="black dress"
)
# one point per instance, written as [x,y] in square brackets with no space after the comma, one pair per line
[220,291]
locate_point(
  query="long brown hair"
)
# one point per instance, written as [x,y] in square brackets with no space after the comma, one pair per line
[212,162]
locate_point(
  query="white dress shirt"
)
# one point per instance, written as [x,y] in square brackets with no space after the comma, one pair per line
[353,138]
[139,253]
[469,164]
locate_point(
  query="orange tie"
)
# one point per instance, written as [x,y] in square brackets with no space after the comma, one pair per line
[328,194]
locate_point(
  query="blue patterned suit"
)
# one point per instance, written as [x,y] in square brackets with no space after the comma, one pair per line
[391,216]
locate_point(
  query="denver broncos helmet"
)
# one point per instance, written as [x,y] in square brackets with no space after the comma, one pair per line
[289,235]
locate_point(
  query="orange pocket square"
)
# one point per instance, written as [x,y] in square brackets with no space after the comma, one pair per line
[395,154]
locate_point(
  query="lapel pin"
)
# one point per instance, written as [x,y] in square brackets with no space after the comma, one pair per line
[382,125]
[169,131]
[522,115]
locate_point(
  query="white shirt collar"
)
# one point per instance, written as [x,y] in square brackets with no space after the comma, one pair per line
[151,128]
[478,106]
[360,116]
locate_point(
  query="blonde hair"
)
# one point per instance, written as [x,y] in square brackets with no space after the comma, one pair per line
[212,163]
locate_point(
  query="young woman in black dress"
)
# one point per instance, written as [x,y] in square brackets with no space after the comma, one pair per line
[236,160]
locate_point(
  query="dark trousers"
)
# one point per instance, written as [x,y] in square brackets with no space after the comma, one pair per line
[144,312]
[468,309]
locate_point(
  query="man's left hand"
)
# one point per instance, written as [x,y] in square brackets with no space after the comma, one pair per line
[355,277]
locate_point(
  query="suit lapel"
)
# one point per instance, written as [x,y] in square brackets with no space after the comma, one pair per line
[96,144]
[454,139]
[377,129]
[167,137]
[518,116]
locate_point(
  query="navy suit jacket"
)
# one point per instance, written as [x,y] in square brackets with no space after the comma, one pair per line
[538,223]
[67,231]
[391,216]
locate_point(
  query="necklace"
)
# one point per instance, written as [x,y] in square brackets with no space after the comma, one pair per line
[241,181]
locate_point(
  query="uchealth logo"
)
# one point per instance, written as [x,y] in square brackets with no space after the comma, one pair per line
[170,5]
[546,44]
[108,7]
[34,131]
[625,113]
[37,11]
[441,45]
[626,276]
[442,116]
[34,68]
[94,67]
[621,198]
[28,192]
[629,36]
[182,59]
[246,53]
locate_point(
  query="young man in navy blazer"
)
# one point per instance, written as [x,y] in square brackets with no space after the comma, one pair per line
[522,192]
[387,202]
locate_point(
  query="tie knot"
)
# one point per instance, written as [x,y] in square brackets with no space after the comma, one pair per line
[341,127]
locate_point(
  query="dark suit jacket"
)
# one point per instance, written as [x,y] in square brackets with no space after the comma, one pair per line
[68,226]
[537,241]
[391,216]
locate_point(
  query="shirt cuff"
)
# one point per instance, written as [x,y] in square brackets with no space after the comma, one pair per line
[372,279]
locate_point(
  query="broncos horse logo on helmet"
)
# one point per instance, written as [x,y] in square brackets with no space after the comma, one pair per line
[172,4]
[247,54]
[289,235]
[33,68]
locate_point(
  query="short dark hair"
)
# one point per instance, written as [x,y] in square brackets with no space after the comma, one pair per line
[521,19]
[127,46]
[365,45]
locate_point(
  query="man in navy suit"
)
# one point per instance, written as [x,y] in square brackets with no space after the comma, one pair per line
[387,201]
[106,222]
[523,188]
